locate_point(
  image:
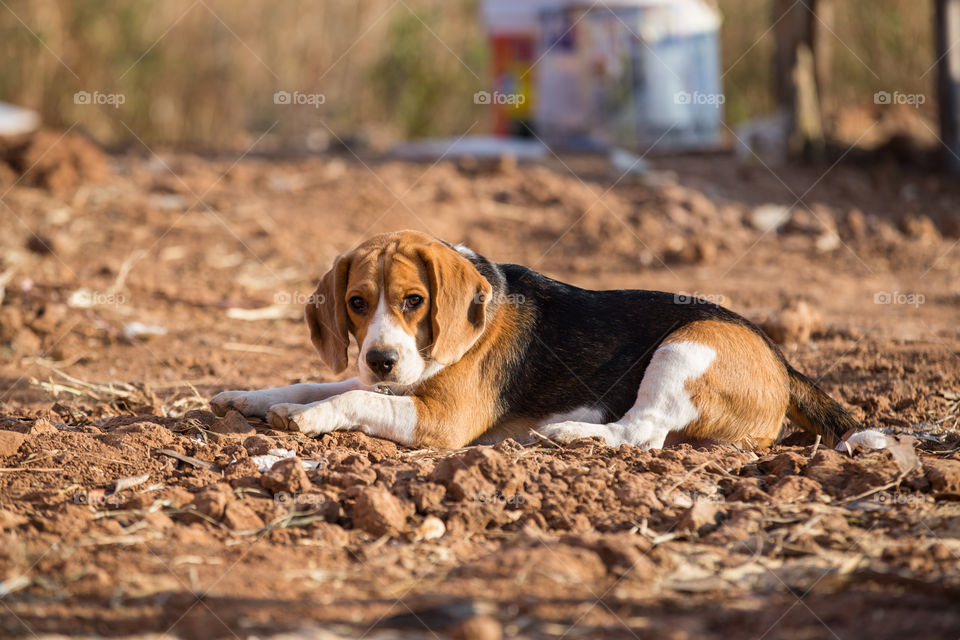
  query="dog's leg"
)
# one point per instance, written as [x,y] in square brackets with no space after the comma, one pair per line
[376,414]
[663,401]
[256,403]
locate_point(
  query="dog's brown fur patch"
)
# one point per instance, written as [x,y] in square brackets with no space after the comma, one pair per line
[743,395]
[459,404]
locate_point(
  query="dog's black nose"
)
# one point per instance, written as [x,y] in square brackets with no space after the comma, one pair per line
[382,361]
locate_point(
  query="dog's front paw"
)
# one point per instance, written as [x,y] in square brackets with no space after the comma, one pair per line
[286,417]
[251,404]
[300,417]
[312,419]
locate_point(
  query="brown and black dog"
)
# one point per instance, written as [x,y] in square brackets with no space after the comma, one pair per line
[456,349]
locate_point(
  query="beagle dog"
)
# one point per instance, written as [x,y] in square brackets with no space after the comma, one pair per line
[456,349]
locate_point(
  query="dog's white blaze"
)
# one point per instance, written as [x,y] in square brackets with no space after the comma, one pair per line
[663,404]
[385,333]
[383,416]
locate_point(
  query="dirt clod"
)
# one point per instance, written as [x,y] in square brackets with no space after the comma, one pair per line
[233,423]
[287,476]
[10,519]
[10,442]
[241,517]
[944,475]
[700,519]
[379,512]
[258,445]
[213,501]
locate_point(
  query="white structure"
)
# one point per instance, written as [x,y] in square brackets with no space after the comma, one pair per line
[627,73]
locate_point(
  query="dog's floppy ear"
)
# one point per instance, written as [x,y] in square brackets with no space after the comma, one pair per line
[326,316]
[458,302]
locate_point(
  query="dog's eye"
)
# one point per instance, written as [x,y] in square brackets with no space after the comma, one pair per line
[412,302]
[358,304]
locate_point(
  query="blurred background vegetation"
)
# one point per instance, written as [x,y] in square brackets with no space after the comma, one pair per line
[201,74]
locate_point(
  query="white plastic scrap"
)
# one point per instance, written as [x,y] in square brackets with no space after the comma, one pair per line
[901,447]
[868,439]
[265,462]
[139,330]
[131,482]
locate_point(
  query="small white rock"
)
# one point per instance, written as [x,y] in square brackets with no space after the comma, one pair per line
[431,529]
[769,217]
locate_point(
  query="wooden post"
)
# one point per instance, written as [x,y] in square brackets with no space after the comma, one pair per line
[947,28]
[824,44]
[795,75]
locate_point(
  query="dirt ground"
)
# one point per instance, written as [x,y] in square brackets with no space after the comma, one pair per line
[138,285]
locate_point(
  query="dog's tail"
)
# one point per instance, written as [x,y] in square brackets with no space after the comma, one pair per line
[816,412]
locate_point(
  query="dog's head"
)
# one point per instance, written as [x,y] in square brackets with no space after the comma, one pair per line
[413,303]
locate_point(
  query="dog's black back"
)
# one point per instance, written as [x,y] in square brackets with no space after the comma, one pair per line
[587,348]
